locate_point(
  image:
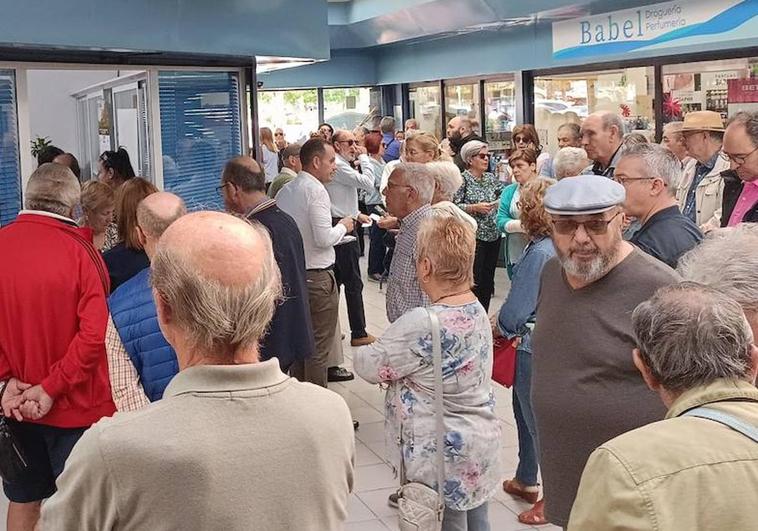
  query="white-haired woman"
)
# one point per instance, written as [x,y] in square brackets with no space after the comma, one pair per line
[480,196]
[402,359]
[447,181]
[569,162]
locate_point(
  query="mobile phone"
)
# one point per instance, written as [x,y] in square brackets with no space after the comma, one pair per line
[380,210]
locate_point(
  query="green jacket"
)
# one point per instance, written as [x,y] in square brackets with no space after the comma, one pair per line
[681,473]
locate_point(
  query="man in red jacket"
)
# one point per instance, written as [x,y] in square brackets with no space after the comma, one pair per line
[53,313]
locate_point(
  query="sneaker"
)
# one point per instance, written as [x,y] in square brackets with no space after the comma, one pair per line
[375,277]
[339,374]
[362,341]
[392,500]
[356,425]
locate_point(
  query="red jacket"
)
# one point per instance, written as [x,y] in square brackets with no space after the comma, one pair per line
[53,315]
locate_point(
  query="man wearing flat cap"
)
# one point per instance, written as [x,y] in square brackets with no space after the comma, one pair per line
[701,188]
[585,387]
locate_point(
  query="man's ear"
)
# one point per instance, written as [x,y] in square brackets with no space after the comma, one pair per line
[754,358]
[141,236]
[645,371]
[165,314]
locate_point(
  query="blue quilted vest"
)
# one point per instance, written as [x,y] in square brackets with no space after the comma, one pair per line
[134,314]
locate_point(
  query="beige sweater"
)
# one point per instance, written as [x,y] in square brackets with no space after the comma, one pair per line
[229,447]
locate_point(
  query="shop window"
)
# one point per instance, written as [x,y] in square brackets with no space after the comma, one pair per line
[709,86]
[200,131]
[463,100]
[559,99]
[499,113]
[295,111]
[347,108]
[10,173]
[425,108]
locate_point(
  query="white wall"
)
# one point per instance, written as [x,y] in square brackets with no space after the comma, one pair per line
[52,110]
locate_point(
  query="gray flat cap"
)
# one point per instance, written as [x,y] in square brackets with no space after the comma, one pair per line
[582,195]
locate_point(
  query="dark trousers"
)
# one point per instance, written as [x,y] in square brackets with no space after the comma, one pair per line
[485,262]
[377,250]
[348,274]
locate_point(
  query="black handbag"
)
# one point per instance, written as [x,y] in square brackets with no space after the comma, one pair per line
[13,462]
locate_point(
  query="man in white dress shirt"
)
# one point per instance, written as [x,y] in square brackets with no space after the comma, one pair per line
[306,200]
[343,192]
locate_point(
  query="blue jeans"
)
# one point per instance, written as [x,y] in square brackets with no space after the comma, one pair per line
[526,472]
[472,520]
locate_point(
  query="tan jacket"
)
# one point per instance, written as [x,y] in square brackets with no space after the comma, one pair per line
[682,473]
[236,448]
[708,194]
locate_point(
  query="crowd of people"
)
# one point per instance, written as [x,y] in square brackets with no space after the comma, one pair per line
[157,365]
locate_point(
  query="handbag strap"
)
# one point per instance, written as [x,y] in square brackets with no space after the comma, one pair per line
[751,432]
[438,402]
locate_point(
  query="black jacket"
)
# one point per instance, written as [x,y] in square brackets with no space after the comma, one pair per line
[732,189]
[457,148]
[667,235]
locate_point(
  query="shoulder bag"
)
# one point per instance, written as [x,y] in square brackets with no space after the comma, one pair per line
[12,459]
[421,508]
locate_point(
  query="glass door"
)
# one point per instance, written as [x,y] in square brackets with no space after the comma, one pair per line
[425,103]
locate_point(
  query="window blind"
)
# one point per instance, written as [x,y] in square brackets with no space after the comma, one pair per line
[10,173]
[200,131]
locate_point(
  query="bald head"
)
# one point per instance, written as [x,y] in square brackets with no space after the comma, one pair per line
[244,173]
[208,311]
[154,215]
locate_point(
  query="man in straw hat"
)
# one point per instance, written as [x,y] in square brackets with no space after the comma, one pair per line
[700,190]
[585,387]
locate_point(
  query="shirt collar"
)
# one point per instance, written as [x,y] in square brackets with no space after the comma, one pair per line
[226,378]
[311,177]
[711,162]
[668,212]
[600,170]
[416,216]
[263,205]
[288,171]
[720,390]
[49,215]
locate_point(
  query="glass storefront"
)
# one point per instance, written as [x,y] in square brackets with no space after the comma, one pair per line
[463,100]
[499,113]
[347,108]
[425,103]
[295,111]
[564,98]
[709,86]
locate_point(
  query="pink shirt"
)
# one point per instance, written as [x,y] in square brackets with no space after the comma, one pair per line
[747,199]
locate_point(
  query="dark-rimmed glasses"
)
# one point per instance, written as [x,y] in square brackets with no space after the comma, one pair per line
[595,227]
[739,160]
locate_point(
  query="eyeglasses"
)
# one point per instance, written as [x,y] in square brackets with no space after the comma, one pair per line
[348,142]
[522,140]
[393,185]
[737,159]
[622,180]
[595,227]
[483,156]
[220,187]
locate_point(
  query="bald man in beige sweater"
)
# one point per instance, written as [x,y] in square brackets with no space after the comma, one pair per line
[235,444]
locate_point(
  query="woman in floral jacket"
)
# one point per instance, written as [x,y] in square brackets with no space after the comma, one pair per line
[402,358]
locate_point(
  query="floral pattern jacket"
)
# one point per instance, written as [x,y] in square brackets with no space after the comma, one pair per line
[403,360]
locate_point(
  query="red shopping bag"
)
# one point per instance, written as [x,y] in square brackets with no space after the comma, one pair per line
[504,362]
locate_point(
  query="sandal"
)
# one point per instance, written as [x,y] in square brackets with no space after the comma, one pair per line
[535,515]
[529,494]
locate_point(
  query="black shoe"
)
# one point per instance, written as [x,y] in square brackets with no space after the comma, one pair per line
[339,374]
[356,425]
[375,277]
[392,500]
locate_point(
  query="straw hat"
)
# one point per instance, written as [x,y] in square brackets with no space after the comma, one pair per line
[703,121]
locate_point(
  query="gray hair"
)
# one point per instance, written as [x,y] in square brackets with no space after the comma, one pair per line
[447,176]
[609,119]
[659,162]
[52,188]
[418,177]
[727,260]
[470,149]
[634,138]
[690,335]
[155,223]
[569,162]
[750,121]
[216,317]
[387,125]
[576,130]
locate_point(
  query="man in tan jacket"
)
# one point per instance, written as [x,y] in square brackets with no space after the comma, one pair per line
[698,468]
[234,444]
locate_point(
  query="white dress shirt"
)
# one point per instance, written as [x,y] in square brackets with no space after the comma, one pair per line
[343,190]
[306,200]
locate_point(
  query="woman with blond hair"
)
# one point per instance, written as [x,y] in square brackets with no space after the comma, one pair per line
[98,204]
[270,155]
[402,359]
[128,257]
[515,321]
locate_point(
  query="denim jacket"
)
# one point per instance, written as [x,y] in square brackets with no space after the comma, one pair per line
[520,306]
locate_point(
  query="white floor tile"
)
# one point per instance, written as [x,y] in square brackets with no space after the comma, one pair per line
[376,500]
[373,477]
[364,456]
[371,525]
[357,510]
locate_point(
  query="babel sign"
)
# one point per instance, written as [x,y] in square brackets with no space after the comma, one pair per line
[654,27]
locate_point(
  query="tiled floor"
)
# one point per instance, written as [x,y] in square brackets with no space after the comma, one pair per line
[374,480]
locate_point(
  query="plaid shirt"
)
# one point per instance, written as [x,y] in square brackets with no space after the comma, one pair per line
[403,291]
[126,388]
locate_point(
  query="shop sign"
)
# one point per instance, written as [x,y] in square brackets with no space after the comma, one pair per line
[719,79]
[743,90]
[655,26]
